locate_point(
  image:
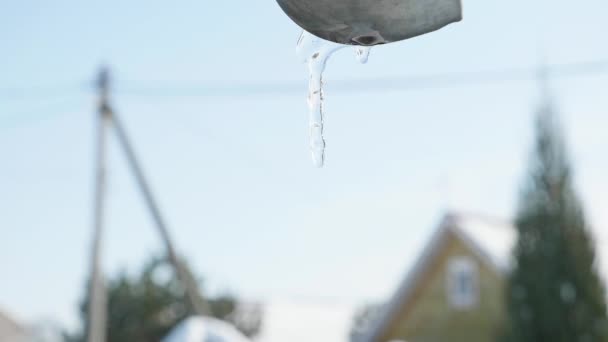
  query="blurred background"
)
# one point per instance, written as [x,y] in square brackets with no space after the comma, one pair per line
[214,100]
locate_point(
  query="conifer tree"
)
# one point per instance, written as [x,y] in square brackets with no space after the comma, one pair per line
[146,306]
[554,293]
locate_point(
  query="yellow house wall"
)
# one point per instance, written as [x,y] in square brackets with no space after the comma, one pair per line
[428,317]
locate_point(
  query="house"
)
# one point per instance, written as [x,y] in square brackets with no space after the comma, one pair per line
[455,290]
[11,331]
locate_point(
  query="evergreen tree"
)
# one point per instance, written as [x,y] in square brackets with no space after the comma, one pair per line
[147,306]
[554,293]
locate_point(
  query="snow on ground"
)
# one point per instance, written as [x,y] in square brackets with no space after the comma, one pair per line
[306,320]
[195,329]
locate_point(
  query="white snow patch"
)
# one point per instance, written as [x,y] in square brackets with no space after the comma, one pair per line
[204,329]
[496,238]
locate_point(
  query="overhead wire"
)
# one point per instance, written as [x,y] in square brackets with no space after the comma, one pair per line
[167,89]
[38,112]
[42,92]
[438,80]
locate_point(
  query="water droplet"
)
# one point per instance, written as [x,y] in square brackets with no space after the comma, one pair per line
[315,52]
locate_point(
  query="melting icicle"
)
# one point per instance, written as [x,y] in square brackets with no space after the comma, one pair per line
[315,52]
[362,53]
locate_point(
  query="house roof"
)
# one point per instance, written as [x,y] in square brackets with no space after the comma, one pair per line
[10,330]
[491,239]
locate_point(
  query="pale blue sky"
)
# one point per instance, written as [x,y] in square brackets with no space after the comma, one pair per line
[233,174]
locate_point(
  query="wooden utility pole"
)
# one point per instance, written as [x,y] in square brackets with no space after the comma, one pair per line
[97,308]
[97,311]
[197,302]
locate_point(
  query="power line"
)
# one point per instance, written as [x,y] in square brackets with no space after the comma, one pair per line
[454,79]
[161,89]
[439,80]
[39,112]
[42,92]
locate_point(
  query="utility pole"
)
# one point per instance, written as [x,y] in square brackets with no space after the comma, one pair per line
[97,310]
[198,304]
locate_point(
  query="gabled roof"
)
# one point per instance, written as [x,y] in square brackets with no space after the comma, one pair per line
[490,239]
[10,330]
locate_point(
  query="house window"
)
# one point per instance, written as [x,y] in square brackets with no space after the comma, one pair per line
[462,283]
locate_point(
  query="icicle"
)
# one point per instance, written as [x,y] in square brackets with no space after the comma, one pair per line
[315,52]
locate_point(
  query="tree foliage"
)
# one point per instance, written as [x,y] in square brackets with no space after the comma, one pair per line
[554,292]
[147,306]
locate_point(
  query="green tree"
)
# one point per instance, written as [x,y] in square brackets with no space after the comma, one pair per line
[145,307]
[554,292]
